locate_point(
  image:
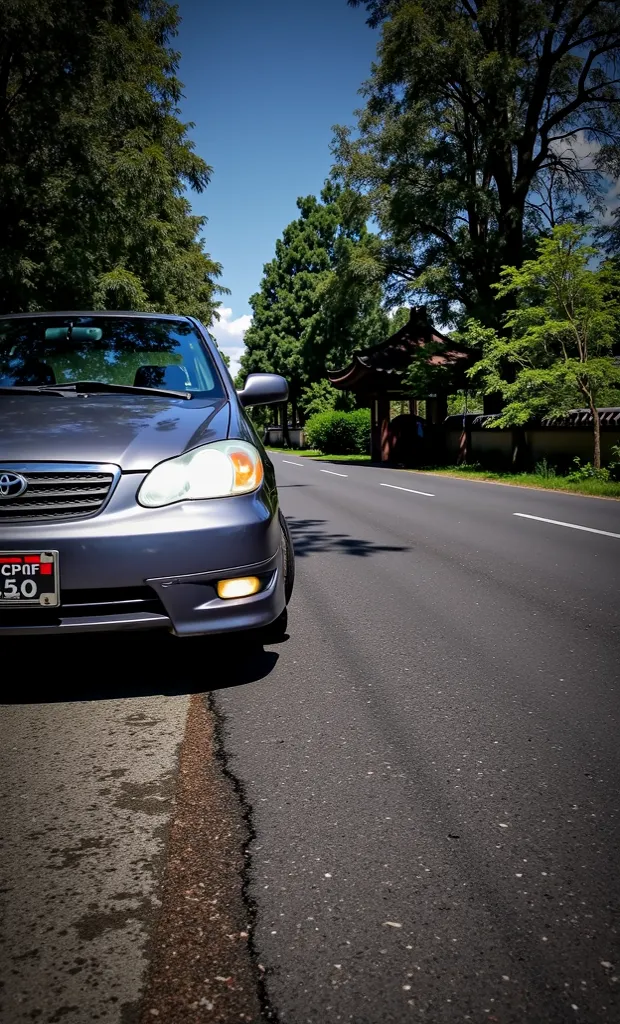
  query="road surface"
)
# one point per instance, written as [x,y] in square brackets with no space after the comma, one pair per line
[417,793]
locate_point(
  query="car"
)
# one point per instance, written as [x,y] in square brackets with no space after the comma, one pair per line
[135,493]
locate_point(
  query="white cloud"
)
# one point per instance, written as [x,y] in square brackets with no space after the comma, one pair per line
[612,201]
[229,333]
[580,148]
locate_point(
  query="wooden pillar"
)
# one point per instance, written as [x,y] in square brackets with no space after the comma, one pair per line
[380,428]
[384,424]
[375,432]
[413,407]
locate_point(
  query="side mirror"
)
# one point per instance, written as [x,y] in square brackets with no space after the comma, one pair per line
[263,389]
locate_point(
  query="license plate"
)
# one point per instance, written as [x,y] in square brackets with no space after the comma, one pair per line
[29,579]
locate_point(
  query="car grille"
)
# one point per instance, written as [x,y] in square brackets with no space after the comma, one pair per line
[58,495]
[80,603]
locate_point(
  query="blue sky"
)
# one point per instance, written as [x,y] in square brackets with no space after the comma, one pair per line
[264,83]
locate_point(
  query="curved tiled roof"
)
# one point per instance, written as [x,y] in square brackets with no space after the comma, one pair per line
[392,357]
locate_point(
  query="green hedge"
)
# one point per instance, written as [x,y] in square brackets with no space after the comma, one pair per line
[339,433]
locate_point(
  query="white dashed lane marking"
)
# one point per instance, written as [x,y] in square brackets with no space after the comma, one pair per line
[289,463]
[570,526]
[409,490]
[332,472]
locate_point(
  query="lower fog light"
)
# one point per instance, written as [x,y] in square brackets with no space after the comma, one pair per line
[245,586]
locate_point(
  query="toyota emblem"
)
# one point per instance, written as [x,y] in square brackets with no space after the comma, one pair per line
[11,484]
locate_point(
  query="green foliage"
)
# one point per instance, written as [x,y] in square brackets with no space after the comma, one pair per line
[399,318]
[592,486]
[464,402]
[586,471]
[545,470]
[422,377]
[320,396]
[468,145]
[96,163]
[310,314]
[614,464]
[339,433]
[557,352]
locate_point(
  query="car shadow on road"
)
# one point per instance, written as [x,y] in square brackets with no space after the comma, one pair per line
[313,536]
[110,666]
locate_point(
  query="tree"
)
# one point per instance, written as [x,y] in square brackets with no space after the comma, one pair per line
[321,396]
[469,144]
[309,313]
[559,337]
[96,162]
[399,318]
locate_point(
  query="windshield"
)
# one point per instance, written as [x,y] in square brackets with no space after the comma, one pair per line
[135,351]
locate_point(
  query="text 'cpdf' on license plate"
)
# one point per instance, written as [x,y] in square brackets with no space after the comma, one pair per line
[29,578]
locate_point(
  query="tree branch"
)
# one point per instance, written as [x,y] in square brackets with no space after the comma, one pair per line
[583,94]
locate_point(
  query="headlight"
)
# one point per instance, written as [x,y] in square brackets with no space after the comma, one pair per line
[213,471]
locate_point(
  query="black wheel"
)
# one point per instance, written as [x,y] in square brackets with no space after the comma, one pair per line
[288,556]
[275,632]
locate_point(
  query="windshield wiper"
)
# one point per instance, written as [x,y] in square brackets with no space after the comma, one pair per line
[93,386]
[36,389]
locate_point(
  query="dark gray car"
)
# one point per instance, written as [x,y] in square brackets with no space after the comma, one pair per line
[134,491]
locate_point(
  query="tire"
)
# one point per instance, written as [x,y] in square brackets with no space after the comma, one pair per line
[288,557]
[275,632]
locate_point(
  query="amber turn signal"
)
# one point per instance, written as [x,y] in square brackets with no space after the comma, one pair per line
[244,586]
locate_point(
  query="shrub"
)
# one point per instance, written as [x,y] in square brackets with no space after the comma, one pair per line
[323,397]
[614,465]
[339,433]
[586,471]
[545,470]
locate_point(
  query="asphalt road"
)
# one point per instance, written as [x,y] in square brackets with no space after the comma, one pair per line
[433,763]
[407,811]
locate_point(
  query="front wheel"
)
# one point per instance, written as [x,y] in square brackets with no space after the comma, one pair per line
[275,632]
[288,557]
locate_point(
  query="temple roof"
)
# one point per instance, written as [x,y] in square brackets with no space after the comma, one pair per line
[381,367]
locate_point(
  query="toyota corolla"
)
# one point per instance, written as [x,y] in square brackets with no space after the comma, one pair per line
[134,490]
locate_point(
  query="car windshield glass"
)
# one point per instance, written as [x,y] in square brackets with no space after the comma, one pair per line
[137,351]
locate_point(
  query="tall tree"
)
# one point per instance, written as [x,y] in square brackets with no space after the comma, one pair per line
[95,161]
[306,317]
[471,141]
[559,336]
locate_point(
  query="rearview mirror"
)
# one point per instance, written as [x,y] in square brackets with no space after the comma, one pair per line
[263,389]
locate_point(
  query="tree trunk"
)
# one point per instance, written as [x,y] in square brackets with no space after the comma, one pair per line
[597,436]
[284,413]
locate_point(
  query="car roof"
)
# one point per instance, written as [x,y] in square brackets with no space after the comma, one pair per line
[94,312]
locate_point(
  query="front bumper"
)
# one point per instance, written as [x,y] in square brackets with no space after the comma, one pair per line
[134,568]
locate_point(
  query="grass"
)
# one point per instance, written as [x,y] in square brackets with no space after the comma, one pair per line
[593,488]
[308,453]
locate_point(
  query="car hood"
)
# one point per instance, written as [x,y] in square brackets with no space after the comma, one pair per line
[134,432]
